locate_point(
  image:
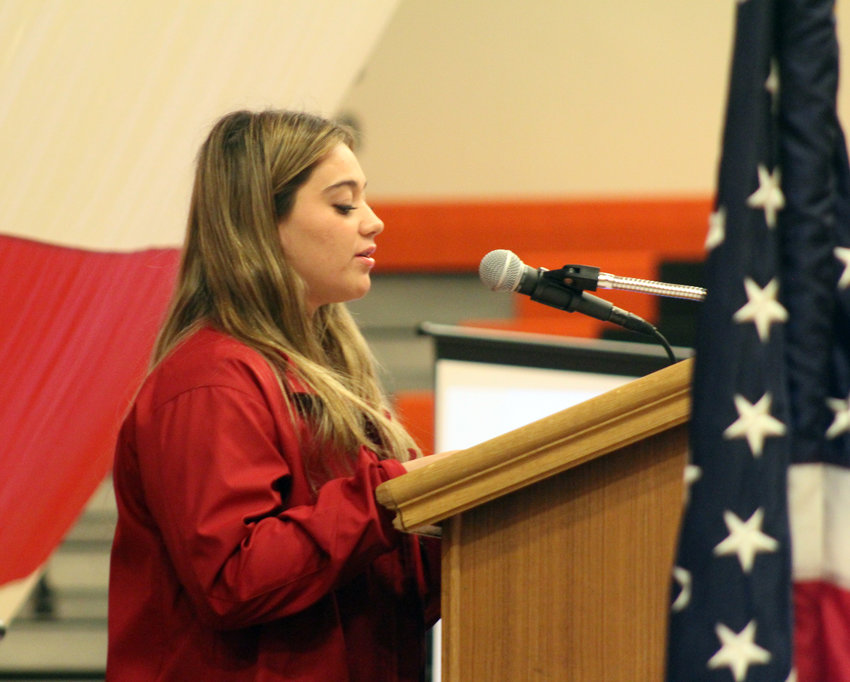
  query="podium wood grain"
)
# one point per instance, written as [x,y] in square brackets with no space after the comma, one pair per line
[558,538]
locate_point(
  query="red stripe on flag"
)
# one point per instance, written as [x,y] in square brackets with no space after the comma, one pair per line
[76,330]
[821,632]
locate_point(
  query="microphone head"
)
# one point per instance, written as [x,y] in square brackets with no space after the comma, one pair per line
[501,270]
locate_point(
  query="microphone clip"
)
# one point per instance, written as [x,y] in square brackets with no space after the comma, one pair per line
[575,277]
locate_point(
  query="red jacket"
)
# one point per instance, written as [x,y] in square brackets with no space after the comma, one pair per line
[227,566]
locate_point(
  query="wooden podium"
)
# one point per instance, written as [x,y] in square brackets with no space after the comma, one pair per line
[559,538]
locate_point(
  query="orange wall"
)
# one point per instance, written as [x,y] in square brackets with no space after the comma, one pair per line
[454,235]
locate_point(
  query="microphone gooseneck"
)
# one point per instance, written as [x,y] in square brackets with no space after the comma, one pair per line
[646,286]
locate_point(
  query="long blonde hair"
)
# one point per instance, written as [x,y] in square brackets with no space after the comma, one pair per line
[234,276]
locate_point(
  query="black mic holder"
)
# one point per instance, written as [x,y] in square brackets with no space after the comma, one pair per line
[552,289]
[566,287]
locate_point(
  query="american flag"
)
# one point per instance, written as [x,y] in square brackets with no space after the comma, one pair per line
[761,582]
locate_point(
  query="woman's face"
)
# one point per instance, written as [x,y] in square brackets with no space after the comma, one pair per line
[329,236]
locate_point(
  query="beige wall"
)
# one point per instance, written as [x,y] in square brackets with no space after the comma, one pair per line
[495,98]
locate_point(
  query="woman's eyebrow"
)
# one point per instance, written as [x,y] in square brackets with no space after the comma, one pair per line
[353,184]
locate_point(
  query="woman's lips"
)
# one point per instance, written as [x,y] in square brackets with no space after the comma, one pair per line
[366,256]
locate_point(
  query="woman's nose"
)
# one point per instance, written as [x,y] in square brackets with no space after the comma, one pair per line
[372,224]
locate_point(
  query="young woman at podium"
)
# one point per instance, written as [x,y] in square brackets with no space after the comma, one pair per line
[249,544]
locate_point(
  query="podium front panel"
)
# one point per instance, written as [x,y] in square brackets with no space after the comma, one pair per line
[568,579]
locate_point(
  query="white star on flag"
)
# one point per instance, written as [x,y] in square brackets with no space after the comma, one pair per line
[716,229]
[692,475]
[761,307]
[841,422]
[683,577]
[842,253]
[745,539]
[754,423]
[738,651]
[768,196]
[772,83]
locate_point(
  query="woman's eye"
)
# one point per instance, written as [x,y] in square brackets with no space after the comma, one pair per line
[344,209]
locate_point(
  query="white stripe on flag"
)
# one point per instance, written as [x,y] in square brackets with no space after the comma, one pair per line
[819,502]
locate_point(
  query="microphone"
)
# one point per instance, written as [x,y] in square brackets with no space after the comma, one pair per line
[502,270]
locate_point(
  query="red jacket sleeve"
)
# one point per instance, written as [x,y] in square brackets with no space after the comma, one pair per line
[432,579]
[212,468]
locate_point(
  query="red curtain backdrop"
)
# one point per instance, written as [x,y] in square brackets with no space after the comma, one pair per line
[76,330]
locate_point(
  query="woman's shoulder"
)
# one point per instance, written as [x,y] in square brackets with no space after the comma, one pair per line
[210,359]
[210,343]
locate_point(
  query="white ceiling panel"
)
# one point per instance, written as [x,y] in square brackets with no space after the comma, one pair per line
[103,103]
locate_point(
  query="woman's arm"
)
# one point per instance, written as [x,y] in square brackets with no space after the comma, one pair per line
[215,480]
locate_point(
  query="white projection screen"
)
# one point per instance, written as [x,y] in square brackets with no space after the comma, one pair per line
[489,382]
